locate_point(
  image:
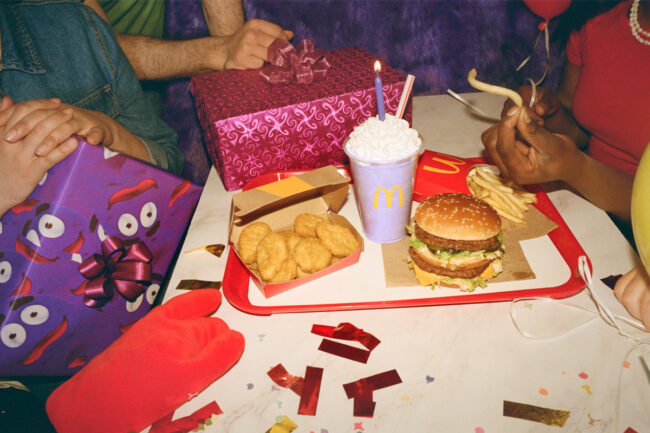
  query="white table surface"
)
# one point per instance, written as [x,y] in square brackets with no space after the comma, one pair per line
[457,363]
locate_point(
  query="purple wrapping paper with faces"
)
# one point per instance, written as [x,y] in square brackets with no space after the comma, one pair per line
[251,127]
[123,219]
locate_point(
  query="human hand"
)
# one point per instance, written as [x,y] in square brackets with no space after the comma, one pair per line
[527,153]
[248,47]
[46,123]
[162,361]
[21,165]
[633,291]
[545,105]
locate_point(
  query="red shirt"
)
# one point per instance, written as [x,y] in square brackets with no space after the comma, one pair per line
[612,97]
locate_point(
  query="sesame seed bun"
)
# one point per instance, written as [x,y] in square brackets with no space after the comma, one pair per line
[458,217]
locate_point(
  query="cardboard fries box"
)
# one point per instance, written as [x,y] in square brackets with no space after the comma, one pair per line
[251,127]
[320,192]
[49,325]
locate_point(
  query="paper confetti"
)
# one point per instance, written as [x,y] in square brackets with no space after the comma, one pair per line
[586,388]
[308,388]
[583,375]
[279,375]
[205,415]
[215,249]
[344,351]
[362,391]
[198,284]
[310,391]
[430,379]
[347,331]
[535,413]
[282,426]
[543,391]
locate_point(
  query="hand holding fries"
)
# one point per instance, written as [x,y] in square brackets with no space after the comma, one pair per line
[509,199]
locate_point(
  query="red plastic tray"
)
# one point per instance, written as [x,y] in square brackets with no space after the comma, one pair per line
[236,279]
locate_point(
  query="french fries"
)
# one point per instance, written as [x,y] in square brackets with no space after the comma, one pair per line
[491,88]
[509,199]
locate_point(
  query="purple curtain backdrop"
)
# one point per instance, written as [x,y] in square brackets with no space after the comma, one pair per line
[438,41]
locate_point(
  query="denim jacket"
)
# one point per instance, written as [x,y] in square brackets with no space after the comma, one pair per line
[61,48]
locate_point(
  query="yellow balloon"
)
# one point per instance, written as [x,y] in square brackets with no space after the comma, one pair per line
[641,208]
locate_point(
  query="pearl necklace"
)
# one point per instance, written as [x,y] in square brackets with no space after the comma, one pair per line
[637,31]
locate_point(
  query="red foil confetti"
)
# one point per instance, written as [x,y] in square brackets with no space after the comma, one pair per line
[280,376]
[310,391]
[198,284]
[188,423]
[372,383]
[344,350]
[365,408]
[362,390]
[347,331]
[535,413]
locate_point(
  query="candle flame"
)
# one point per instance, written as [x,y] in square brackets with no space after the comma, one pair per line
[377,66]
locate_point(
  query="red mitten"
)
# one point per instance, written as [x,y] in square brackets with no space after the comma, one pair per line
[160,363]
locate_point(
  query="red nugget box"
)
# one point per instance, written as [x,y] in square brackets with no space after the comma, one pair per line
[252,127]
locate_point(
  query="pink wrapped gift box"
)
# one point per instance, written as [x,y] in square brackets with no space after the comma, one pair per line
[53,317]
[251,127]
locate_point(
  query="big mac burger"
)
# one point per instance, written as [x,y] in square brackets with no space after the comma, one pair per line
[456,242]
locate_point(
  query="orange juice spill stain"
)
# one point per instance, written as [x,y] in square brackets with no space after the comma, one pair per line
[406,398]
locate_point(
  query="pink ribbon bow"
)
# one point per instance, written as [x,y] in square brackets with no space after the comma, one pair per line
[300,65]
[125,269]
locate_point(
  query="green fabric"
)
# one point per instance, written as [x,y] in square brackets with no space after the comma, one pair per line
[136,17]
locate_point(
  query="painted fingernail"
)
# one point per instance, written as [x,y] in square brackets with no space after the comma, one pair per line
[527,118]
[10,135]
[512,111]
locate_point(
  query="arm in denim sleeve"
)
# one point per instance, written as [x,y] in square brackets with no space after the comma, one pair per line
[135,113]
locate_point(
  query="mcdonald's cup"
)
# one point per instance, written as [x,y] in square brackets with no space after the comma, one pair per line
[383,172]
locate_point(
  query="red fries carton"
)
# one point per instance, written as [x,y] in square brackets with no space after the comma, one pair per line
[439,173]
[251,127]
[320,192]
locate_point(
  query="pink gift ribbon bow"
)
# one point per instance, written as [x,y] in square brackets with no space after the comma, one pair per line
[300,65]
[125,269]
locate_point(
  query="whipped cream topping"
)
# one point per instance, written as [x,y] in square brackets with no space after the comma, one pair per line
[388,141]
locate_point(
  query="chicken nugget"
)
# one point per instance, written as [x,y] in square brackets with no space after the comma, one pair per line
[311,255]
[248,240]
[272,251]
[287,271]
[335,259]
[292,239]
[305,224]
[339,240]
[300,273]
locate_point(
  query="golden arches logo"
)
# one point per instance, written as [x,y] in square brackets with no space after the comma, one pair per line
[389,196]
[453,164]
